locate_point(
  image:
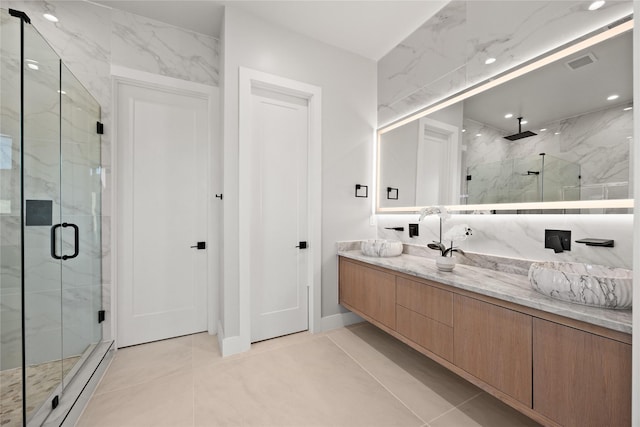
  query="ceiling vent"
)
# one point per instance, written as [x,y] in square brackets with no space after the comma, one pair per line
[581,61]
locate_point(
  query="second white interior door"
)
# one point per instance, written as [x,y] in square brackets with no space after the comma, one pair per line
[279,215]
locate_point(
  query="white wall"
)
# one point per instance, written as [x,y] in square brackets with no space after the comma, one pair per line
[348,85]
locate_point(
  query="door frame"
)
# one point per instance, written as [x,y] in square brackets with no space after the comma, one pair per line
[123,75]
[248,79]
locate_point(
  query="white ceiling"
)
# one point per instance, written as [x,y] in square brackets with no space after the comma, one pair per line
[367,28]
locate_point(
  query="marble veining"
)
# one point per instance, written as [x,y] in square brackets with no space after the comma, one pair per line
[594,285]
[146,44]
[522,236]
[509,287]
[464,34]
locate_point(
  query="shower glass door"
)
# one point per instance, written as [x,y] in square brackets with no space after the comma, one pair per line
[42,269]
[81,211]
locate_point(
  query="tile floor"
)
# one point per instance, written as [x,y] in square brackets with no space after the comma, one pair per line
[355,376]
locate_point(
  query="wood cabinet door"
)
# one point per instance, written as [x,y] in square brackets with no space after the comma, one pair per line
[580,379]
[494,344]
[370,291]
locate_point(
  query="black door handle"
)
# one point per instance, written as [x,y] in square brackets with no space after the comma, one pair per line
[76,241]
[200,245]
[53,241]
[302,245]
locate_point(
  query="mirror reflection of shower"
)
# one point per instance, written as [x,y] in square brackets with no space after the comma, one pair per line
[535,178]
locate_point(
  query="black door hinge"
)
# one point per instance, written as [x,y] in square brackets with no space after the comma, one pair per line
[302,245]
[54,402]
[99,128]
[101,316]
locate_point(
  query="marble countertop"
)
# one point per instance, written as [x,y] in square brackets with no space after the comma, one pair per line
[510,287]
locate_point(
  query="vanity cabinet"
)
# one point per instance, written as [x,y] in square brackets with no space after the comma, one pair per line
[558,371]
[579,378]
[494,344]
[369,291]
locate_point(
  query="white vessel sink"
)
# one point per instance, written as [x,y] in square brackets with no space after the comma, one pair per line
[588,284]
[381,248]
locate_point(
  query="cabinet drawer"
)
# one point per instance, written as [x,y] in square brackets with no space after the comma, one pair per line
[430,334]
[434,303]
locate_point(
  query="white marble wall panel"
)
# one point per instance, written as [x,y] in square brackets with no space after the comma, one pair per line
[452,46]
[429,94]
[435,49]
[515,32]
[522,236]
[149,45]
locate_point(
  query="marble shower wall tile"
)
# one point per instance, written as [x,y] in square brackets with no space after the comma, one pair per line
[598,142]
[451,47]
[522,236]
[149,45]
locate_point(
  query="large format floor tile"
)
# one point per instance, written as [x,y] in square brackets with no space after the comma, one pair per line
[312,383]
[425,387]
[355,376]
[143,363]
[167,401]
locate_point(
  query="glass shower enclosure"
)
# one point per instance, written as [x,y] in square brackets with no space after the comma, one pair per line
[50,225]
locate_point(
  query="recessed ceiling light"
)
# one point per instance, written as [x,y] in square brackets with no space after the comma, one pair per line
[543,130]
[524,122]
[557,133]
[613,97]
[490,61]
[50,17]
[628,108]
[478,134]
[596,5]
[508,116]
[33,66]
[464,130]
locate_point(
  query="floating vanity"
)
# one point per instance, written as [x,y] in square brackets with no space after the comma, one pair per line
[561,364]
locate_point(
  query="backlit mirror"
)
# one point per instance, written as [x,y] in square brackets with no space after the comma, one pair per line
[553,134]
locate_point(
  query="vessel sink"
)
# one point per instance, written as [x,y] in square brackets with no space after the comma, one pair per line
[381,248]
[588,284]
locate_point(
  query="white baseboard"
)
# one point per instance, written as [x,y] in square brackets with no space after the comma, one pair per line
[229,345]
[340,320]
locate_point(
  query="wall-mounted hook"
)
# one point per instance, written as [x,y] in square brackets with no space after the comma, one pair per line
[219,196]
[390,193]
[360,187]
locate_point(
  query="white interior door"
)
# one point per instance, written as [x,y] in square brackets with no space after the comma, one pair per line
[162,145]
[279,215]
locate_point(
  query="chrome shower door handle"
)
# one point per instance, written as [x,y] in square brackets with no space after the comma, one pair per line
[53,241]
[76,240]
